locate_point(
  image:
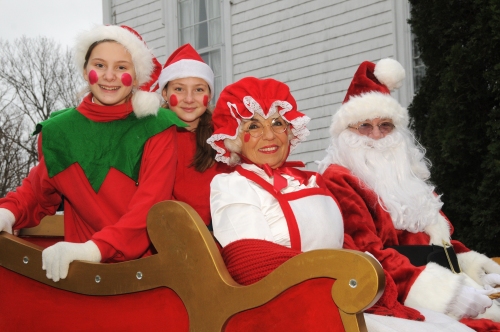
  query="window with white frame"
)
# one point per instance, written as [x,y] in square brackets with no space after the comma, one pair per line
[200,24]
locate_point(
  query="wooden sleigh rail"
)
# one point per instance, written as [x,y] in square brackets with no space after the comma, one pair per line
[189,263]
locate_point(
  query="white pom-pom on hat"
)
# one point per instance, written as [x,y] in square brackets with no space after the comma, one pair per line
[145,103]
[390,73]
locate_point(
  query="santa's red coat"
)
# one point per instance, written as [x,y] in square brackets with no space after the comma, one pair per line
[371,230]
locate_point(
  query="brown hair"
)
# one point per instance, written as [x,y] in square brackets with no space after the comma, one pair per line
[204,156]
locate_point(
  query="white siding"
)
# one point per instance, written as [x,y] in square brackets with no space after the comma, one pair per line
[144,16]
[314,46]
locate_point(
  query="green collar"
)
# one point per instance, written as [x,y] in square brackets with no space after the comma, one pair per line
[69,137]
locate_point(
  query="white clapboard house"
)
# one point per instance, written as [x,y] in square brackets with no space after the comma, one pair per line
[314,46]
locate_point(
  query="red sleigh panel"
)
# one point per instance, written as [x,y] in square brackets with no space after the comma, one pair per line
[185,287]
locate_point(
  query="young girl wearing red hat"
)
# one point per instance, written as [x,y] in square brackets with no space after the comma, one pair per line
[187,86]
[111,158]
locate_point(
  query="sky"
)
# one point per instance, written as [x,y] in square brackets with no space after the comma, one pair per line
[60,20]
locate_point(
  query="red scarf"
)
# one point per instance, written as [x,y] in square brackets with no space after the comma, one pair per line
[104,113]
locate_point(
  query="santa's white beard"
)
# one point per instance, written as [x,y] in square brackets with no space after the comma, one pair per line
[395,168]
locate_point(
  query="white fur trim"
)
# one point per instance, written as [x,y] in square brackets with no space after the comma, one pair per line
[435,288]
[390,73]
[475,264]
[141,55]
[368,106]
[438,231]
[186,68]
[145,103]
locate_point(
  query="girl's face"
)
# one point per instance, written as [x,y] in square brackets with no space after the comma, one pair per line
[110,73]
[188,98]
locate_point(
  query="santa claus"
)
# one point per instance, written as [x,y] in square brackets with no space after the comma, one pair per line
[373,151]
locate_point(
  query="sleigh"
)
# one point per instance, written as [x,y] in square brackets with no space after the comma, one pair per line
[184,287]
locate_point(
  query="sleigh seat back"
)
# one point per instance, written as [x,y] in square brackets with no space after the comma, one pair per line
[184,287]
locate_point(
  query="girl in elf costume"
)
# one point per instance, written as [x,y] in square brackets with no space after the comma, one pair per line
[187,85]
[112,157]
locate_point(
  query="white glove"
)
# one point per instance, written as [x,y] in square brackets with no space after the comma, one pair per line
[7,220]
[56,258]
[470,302]
[475,265]
[490,279]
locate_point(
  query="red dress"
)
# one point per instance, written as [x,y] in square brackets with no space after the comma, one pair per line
[191,186]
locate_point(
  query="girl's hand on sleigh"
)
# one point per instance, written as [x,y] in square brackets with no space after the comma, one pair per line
[56,258]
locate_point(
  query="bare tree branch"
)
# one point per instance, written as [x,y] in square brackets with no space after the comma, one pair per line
[37,78]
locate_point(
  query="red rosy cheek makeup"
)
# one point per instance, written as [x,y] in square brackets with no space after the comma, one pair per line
[246,137]
[126,79]
[173,100]
[205,100]
[93,77]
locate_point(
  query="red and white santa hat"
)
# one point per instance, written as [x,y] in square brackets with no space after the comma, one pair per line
[147,67]
[246,97]
[185,62]
[369,96]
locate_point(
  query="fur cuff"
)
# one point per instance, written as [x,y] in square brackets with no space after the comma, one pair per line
[434,288]
[438,231]
[475,264]
[145,103]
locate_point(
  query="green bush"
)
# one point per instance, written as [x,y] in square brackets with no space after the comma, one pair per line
[456,113]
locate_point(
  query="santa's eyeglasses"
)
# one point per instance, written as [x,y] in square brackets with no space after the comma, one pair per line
[367,128]
[256,128]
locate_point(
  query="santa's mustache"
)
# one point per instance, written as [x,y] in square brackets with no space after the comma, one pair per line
[355,141]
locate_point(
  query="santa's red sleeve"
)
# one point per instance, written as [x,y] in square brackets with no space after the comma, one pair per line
[369,228]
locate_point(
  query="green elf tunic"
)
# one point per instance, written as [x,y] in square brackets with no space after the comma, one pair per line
[109,166]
